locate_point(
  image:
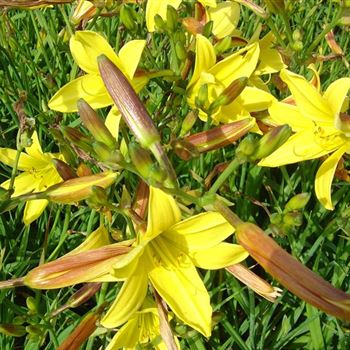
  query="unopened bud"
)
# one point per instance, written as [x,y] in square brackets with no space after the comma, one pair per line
[272,140]
[230,93]
[12,330]
[297,35]
[188,123]
[75,190]
[141,159]
[125,201]
[171,18]
[159,23]
[207,29]
[275,6]
[297,202]
[297,45]
[95,125]
[34,330]
[180,51]
[77,138]
[32,305]
[215,138]
[223,45]
[83,170]
[291,273]
[127,17]
[64,170]
[292,219]
[103,152]
[201,99]
[247,147]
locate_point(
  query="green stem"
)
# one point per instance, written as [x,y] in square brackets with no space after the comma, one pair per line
[235,163]
[66,20]
[287,27]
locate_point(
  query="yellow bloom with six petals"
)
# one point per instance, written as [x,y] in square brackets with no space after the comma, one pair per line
[85,47]
[321,127]
[219,75]
[38,174]
[167,256]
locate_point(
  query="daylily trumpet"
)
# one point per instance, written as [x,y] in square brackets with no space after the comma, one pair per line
[39,173]
[321,127]
[85,47]
[166,255]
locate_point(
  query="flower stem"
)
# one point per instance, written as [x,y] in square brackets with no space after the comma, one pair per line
[235,163]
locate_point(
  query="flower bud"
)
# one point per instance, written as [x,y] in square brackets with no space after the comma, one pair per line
[297,202]
[98,197]
[215,138]
[180,51]
[77,138]
[79,297]
[12,330]
[291,273]
[102,151]
[188,123]
[83,331]
[230,93]
[247,147]
[223,45]
[207,29]
[64,170]
[293,219]
[159,23]
[75,190]
[32,305]
[134,114]
[171,18]
[127,17]
[272,140]
[95,125]
[201,99]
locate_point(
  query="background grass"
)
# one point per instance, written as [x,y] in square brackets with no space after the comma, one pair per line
[35,61]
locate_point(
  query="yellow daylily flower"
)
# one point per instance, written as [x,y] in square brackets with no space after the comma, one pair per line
[166,255]
[85,47]
[141,329]
[219,75]
[38,174]
[321,127]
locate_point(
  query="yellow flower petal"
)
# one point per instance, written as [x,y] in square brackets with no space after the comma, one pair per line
[324,177]
[130,55]
[219,256]
[128,263]
[240,64]
[309,101]
[26,162]
[178,283]
[254,99]
[336,94]
[112,121]
[90,87]
[163,213]
[129,300]
[205,58]
[24,183]
[33,210]
[284,113]
[225,17]
[156,7]
[270,59]
[299,147]
[211,3]
[199,232]
[35,149]
[86,46]
[127,336]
